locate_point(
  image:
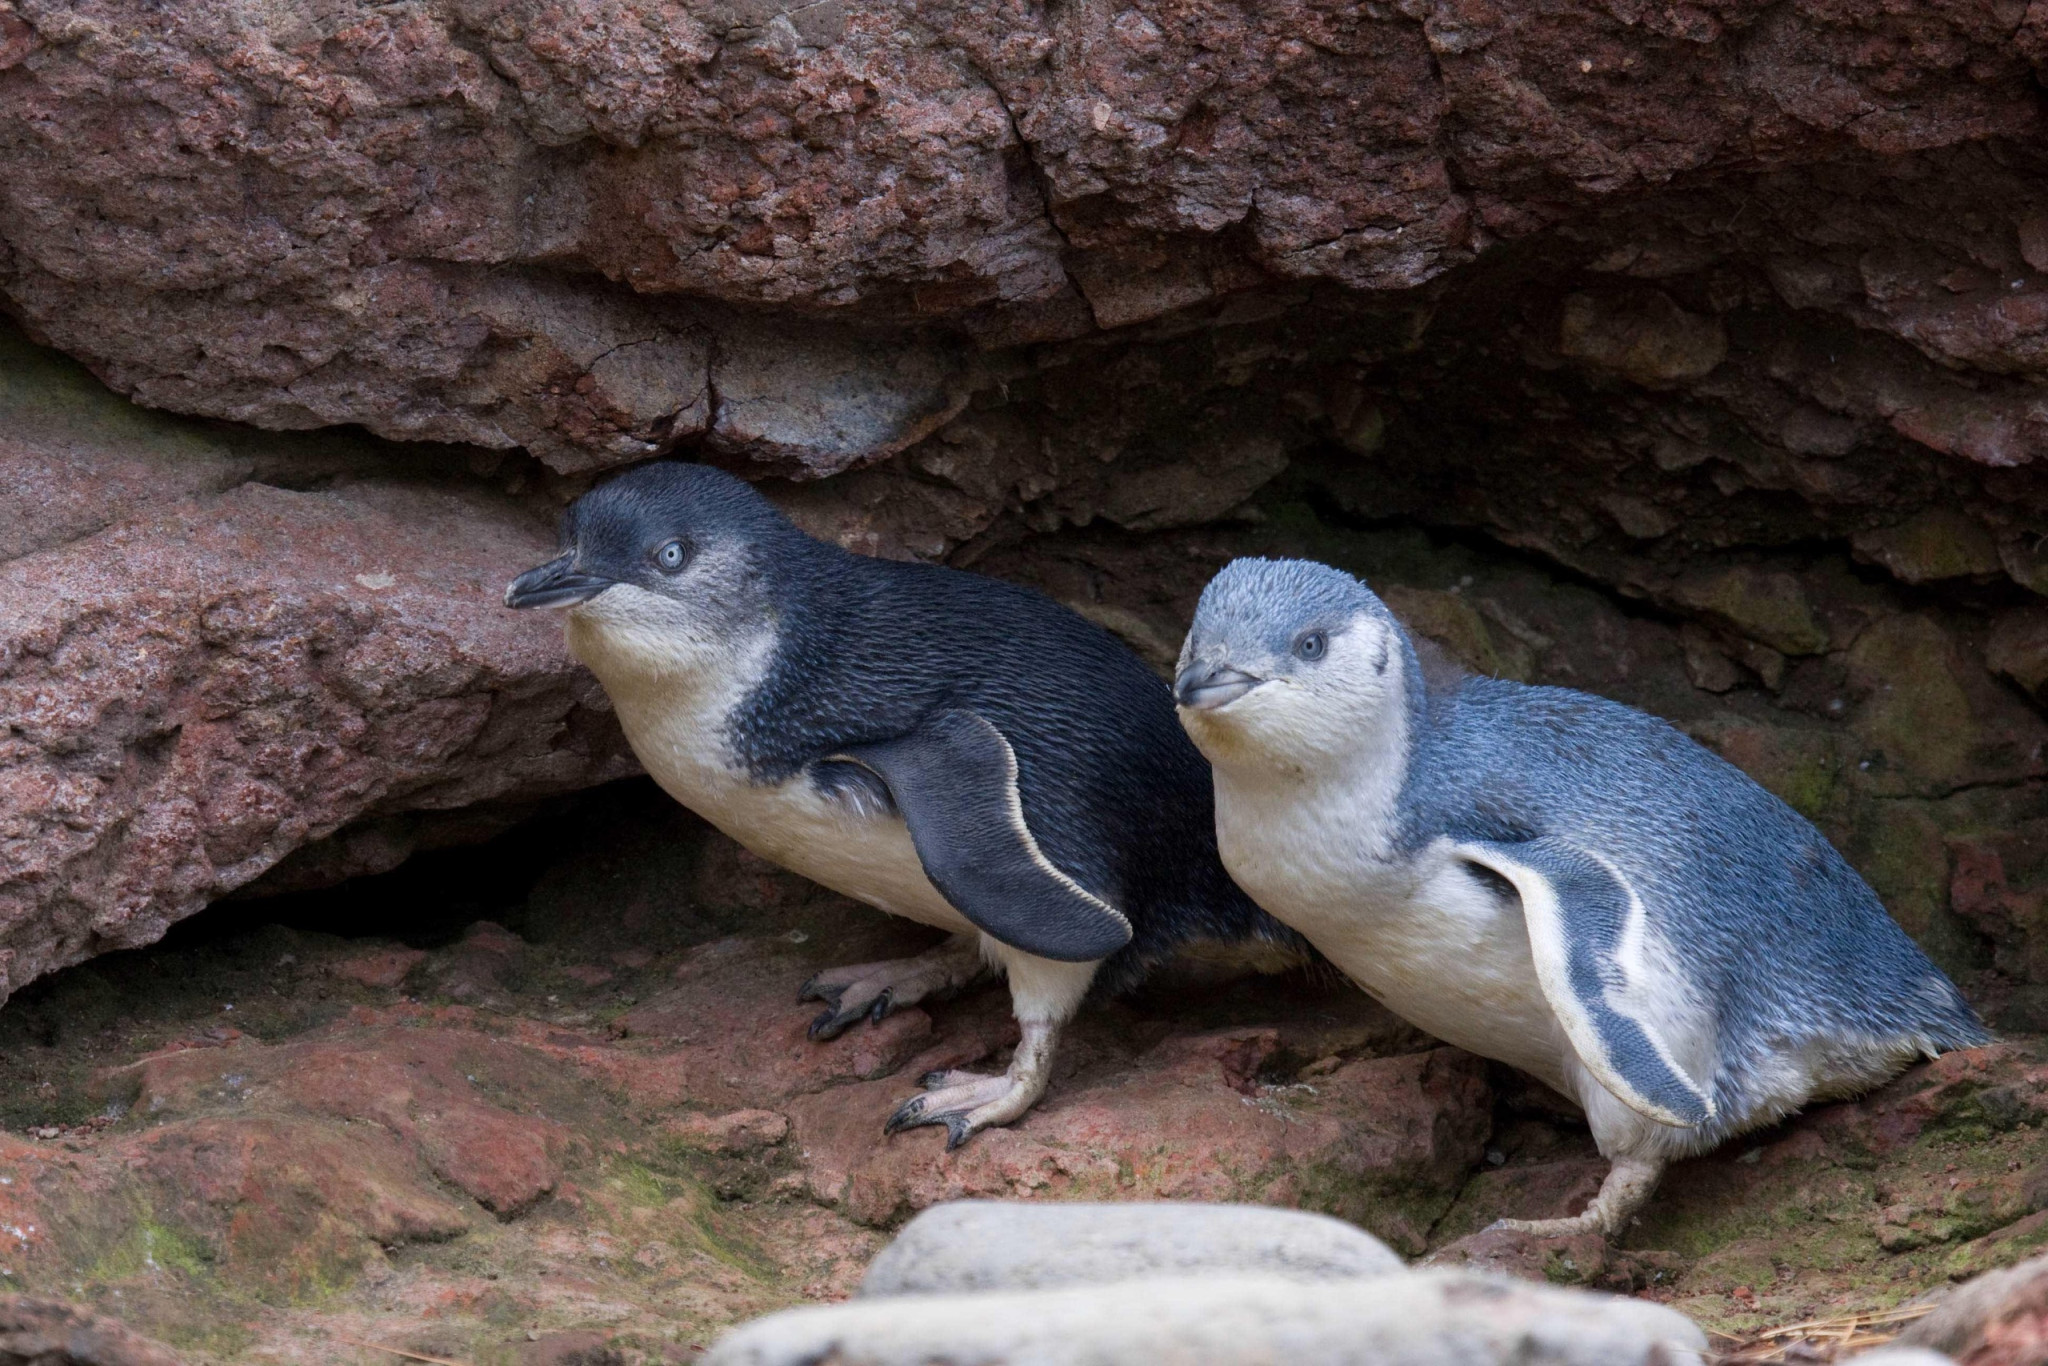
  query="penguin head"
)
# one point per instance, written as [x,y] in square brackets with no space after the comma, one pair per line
[1284,658]
[667,564]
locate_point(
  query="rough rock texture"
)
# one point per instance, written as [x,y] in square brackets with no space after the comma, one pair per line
[1733,310]
[1687,353]
[203,667]
[52,1333]
[592,1123]
[1998,1319]
[514,223]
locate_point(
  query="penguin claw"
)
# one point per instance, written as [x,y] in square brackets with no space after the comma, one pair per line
[965,1102]
[909,1115]
[828,1025]
[838,1015]
[877,990]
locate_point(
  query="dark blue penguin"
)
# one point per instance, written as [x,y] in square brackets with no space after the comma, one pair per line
[947,747]
[1547,878]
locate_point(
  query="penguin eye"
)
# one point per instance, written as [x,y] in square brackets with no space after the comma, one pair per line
[670,557]
[1311,646]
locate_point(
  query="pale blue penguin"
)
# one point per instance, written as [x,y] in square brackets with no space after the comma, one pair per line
[1546,878]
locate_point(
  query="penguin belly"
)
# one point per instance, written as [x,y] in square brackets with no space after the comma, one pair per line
[1428,940]
[863,854]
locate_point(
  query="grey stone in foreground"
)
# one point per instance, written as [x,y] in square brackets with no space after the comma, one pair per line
[972,1245]
[53,1333]
[1959,1321]
[1902,1356]
[1426,1318]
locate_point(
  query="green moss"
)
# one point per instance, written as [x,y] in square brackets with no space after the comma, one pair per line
[144,1246]
[215,1336]
[1762,605]
[1901,847]
[1809,1214]
[40,388]
[1917,715]
[1400,1212]
[693,1222]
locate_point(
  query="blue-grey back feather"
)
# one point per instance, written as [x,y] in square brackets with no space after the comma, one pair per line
[1787,944]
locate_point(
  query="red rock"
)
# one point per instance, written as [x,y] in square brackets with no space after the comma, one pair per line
[741,1131]
[504,1162]
[292,1205]
[1382,1141]
[379,967]
[38,1332]
[230,721]
[1896,1114]
[420,1085]
[1998,1319]
[487,936]
[476,966]
[741,1033]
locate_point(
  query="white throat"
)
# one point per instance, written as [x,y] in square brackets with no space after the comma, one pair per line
[675,691]
[1297,837]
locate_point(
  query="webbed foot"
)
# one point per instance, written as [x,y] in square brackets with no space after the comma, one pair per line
[873,990]
[1627,1188]
[968,1102]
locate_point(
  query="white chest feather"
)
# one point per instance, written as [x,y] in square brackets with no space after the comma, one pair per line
[1421,934]
[675,721]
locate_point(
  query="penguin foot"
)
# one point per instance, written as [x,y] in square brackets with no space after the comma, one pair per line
[1627,1188]
[968,1102]
[873,990]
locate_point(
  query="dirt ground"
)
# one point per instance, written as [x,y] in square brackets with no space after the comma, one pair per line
[552,1100]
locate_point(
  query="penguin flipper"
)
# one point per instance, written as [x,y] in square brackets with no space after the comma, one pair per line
[1586,922]
[954,779]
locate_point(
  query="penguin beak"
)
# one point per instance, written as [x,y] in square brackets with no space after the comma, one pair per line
[555,584]
[1205,687]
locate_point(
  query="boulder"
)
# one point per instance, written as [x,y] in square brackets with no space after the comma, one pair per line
[216,651]
[1997,1319]
[1737,313]
[973,1245]
[561,226]
[197,693]
[37,1332]
[1426,1318]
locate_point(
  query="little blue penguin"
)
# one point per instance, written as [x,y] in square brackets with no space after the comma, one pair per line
[1546,878]
[947,747]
